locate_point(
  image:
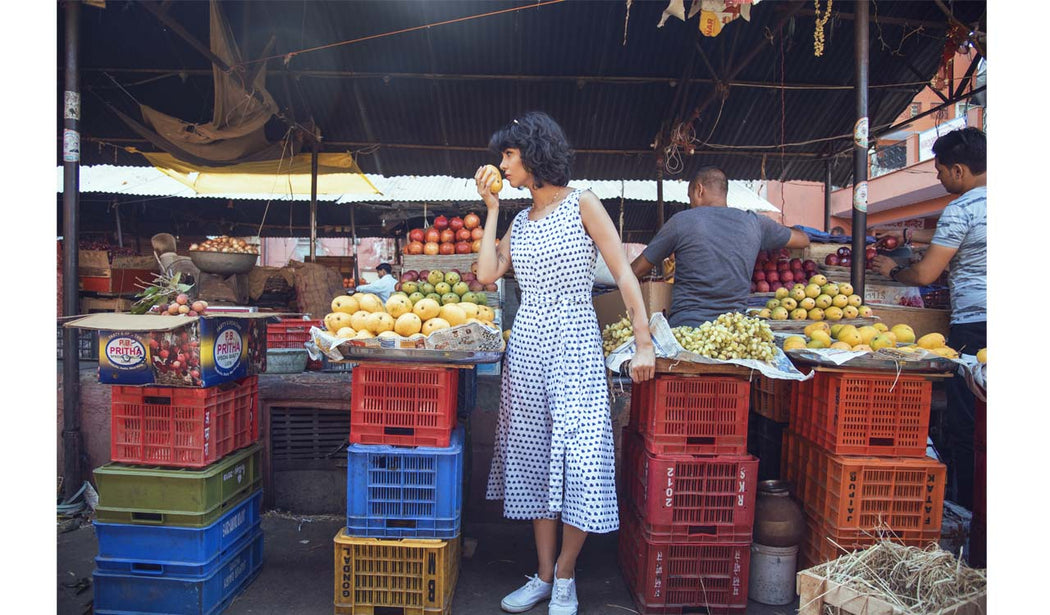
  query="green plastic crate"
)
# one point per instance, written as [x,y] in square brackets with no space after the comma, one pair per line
[182,497]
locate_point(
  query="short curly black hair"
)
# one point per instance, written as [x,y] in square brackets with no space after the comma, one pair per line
[966,146]
[545,151]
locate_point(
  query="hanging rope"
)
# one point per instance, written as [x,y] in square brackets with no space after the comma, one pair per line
[290,55]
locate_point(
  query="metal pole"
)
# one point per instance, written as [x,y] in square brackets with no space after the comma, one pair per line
[660,194]
[860,148]
[120,232]
[313,203]
[827,196]
[71,471]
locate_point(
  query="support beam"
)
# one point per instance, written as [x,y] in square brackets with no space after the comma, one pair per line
[72,475]
[860,146]
[313,202]
[968,77]
[827,196]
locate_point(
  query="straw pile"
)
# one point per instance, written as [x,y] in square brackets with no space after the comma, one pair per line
[912,579]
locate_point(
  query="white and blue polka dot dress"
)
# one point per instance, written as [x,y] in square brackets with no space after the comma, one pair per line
[554,443]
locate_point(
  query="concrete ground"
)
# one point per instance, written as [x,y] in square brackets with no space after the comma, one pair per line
[297,576]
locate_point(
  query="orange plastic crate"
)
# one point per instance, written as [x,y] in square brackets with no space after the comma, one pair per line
[866,413]
[688,498]
[180,427]
[771,398]
[289,332]
[403,405]
[823,541]
[692,415]
[675,579]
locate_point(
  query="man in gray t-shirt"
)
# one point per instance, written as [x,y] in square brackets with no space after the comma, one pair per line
[715,248]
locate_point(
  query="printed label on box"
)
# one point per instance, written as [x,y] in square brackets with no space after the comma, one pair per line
[123,358]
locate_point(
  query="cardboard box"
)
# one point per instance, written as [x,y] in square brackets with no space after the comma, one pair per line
[921,320]
[143,349]
[610,306]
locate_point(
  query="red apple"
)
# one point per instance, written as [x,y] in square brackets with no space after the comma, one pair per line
[424,274]
[890,243]
[831,259]
[844,251]
[870,252]
[783,266]
[471,221]
[787,277]
[763,255]
[772,276]
[441,223]
[759,276]
[770,266]
[455,223]
[845,261]
[762,286]
[784,253]
[416,234]
[795,263]
[806,264]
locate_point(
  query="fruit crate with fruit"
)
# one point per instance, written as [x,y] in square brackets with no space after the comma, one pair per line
[403,405]
[408,576]
[692,415]
[151,495]
[859,413]
[683,578]
[289,332]
[146,592]
[690,498]
[185,428]
[398,492]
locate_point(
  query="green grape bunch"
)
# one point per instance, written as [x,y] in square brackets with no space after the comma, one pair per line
[616,333]
[730,336]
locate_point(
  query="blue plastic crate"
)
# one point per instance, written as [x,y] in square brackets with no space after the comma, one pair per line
[398,492]
[126,594]
[171,550]
[468,391]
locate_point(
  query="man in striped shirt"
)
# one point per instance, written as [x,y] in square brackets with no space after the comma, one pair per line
[959,242]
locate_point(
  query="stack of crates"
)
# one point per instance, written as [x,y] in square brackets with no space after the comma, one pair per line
[400,549]
[855,449]
[688,495]
[292,333]
[769,417]
[179,515]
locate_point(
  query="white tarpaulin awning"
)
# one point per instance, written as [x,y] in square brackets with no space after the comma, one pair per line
[149,181]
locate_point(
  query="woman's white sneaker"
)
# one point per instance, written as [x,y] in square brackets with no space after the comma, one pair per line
[528,595]
[563,597]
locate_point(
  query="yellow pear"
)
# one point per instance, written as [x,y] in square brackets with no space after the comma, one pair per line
[904,333]
[867,333]
[850,335]
[931,341]
[882,340]
[881,327]
[982,355]
[408,324]
[345,304]
[821,325]
[794,342]
[823,336]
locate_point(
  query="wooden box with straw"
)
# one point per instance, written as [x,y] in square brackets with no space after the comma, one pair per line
[891,579]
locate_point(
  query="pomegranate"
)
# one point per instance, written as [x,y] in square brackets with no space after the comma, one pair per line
[831,259]
[772,276]
[447,248]
[448,236]
[463,234]
[416,234]
[796,263]
[462,247]
[758,276]
[762,287]
[415,247]
[441,223]
[475,246]
[431,248]
[455,223]
[471,221]
[432,235]
[787,277]
[477,233]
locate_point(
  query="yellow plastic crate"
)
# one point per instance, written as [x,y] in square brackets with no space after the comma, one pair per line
[374,576]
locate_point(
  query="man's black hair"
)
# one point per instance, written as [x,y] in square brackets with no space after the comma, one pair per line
[711,178]
[545,151]
[384,267]
[966,146]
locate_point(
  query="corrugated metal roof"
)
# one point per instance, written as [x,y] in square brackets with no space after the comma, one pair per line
[521,56]
[148,181]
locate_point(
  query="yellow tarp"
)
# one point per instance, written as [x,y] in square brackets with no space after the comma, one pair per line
[336,174]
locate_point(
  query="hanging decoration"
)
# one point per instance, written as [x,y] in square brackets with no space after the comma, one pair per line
[818,30]
[714,14]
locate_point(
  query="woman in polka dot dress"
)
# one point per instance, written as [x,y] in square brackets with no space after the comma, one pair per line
[553,453]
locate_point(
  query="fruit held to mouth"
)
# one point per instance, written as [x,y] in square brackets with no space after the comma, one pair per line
[498,184]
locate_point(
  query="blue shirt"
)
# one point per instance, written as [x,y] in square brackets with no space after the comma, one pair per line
[381,287]
[962,227]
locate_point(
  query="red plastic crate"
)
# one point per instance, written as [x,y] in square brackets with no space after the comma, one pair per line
[403,405]
[180,427]
[771,398]
[692,415]
[675,579]
[289,332]
[862,413]
[683,498]
[823,541]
